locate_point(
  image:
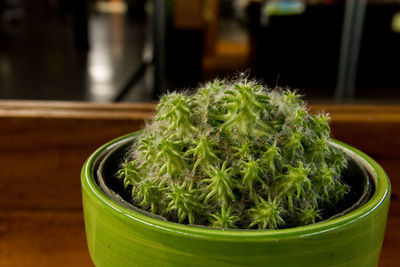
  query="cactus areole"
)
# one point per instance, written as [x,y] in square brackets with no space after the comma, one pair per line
[235,155]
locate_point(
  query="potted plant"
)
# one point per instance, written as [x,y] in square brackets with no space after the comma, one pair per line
[234,174]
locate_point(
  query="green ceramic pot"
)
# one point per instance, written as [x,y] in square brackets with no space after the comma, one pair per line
[119,235]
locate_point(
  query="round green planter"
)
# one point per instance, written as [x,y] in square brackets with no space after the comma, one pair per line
[118,235]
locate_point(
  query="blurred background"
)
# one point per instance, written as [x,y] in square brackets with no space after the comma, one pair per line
[135,50]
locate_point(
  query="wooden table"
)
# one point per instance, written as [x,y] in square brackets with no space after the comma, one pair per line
[44,144]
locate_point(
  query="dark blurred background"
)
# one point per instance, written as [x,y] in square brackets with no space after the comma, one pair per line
[135,50]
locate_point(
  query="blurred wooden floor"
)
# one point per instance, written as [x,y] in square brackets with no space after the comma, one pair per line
[44,144]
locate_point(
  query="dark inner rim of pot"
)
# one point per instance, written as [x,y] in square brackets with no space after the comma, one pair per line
[108,162]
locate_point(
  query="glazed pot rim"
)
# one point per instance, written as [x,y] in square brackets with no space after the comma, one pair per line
[377,174]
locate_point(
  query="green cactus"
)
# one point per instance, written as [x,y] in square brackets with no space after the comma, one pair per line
[235,155]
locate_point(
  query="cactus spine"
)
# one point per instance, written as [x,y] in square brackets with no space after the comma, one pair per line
[235,155]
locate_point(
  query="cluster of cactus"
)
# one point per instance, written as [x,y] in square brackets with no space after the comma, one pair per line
[235,154]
